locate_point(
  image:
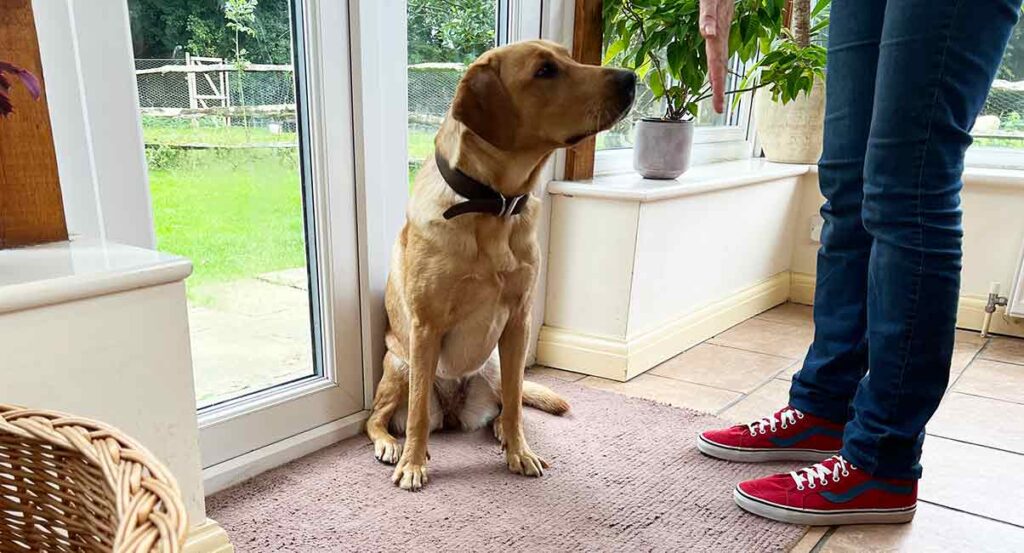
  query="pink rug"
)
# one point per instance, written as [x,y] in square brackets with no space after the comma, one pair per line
[625,476]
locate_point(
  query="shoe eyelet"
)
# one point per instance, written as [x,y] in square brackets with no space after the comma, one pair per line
[811,485]
[846,473]
[799,415]
[753,434]
[836,479]
[799,488]
[762,432]
[784,427]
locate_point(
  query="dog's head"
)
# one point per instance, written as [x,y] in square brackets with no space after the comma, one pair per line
[533,95]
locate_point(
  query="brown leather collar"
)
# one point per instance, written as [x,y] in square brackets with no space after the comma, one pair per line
[480,198]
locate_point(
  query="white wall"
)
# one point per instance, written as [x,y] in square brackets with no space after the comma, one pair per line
[993,230]
[702,248]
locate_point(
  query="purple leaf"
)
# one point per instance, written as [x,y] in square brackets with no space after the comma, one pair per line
[28,79]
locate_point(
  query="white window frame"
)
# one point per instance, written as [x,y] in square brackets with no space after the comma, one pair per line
[97,128]
[710,144]
[358,68]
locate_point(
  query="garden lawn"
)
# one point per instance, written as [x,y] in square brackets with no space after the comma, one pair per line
[234,214]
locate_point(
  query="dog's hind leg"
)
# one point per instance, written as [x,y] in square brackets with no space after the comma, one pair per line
[392,395]
[483,397]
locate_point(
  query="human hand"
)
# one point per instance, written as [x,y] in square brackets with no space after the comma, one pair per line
[715,20]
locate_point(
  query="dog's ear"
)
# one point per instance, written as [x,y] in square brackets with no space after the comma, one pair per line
[483,104]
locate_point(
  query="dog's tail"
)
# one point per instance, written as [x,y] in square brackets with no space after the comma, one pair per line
[541,397]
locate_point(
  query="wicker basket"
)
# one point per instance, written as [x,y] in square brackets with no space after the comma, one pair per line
[71,484]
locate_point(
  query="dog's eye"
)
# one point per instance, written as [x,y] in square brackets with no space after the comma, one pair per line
[547,70]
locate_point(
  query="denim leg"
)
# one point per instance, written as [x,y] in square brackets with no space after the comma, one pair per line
[937,60]
[837,359]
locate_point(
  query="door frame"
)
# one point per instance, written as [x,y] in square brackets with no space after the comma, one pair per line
[358,113]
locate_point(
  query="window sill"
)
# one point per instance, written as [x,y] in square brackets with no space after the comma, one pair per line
[62,272]
[629,186]
[700,179]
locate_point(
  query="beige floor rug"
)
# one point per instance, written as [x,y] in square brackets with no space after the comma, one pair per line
[624,476]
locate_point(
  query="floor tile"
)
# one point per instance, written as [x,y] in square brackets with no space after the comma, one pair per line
[810,539]
[1008,350]
[554,373]
[790,371]
[763,402]
[980,420]
[970,337]
[973,478]
[666,390]
[993,379]
[963,354]
[722,367]
[789,313]
[934,529]
[773,338]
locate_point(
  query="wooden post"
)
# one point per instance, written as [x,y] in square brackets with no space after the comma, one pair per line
[587,36]
[31,209]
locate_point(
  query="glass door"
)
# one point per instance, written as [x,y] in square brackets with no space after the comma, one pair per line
[242,184]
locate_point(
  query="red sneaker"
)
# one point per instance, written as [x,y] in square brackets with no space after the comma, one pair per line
[828,493]
[788,435]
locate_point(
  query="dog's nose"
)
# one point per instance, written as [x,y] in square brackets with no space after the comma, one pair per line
[626,80]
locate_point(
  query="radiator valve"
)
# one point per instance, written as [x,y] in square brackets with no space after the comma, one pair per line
[994,301]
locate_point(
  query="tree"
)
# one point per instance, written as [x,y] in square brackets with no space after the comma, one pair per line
[450,30]
[167,28]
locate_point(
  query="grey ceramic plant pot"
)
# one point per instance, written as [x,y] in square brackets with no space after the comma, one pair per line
[662,148]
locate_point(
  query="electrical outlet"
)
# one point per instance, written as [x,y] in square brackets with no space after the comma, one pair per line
[816,224]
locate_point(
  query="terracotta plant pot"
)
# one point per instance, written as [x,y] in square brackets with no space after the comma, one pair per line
[662,148]
[791,133]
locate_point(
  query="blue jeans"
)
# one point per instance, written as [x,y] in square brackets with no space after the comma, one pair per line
[906,80]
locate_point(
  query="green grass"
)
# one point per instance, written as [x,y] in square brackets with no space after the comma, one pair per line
[421,144]
[207,130]
[234,214]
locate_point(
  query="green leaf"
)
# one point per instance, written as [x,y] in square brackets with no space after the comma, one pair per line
[656,84]
[676,57]
[614,49]
[818,7]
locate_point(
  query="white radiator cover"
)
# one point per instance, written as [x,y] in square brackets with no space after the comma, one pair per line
[1015,308]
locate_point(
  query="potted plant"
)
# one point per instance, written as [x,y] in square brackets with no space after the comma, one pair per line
[790,109]
[660,40]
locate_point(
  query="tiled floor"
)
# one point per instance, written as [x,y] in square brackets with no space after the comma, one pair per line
[974,456]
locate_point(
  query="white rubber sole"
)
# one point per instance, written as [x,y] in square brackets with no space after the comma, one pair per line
[811,517]
[750,455]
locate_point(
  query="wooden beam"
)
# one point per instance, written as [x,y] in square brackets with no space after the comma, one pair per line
[31,209]
[587,41]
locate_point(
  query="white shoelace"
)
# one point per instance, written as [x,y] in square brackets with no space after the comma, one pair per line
[819,474]
[787,417]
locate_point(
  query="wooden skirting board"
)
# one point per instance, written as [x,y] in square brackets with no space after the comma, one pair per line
[624,358]
[208,537]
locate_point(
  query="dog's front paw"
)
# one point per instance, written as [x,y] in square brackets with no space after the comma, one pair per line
[525,462]
[410,476]
[387,450]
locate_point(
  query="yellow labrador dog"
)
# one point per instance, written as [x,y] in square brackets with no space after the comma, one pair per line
[464,267]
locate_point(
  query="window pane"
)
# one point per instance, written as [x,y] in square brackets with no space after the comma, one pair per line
[1001,124]
[621,135]
[445,36]
[218,99]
